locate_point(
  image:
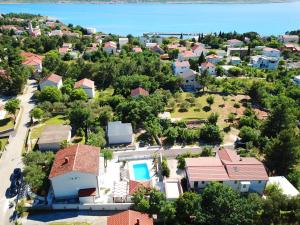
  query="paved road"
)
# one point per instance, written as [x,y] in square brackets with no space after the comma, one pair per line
[12,157]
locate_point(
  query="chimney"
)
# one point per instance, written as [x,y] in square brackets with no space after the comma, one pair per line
[66,160]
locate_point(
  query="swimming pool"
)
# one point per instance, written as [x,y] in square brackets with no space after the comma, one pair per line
[141,171]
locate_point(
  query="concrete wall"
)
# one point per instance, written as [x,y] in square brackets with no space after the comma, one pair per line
[89,91]
[67,185]
[94,206]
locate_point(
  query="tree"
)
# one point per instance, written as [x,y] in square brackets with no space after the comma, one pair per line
[207,151]
[107,155]
[79,94]
[12,105]
[204,79]
[248,134]
[213,118]
[165,170]
[51,94]
[168,212]
[37,113]
[211,134]
[156,200]
[210,100]
[97,139]
[79,117]
[171,134]
[283,152]
[188,209]
[201,59]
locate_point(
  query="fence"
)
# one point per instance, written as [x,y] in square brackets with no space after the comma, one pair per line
[95,206]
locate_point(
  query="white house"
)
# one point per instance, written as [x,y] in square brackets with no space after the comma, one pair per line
[74,169]
[213,58]
[297,79]
[289,38]
[119,133]
[271,52]
[55,33]
[189,78]
[52,137]
[198,49]
[180,67]
[87,85]
[186,55]
[123,41]
[244,174]
[53,80]
[33,60]
[234,60]
[235,43]
[210,67]
[91,30]
[110,47]
[264,62]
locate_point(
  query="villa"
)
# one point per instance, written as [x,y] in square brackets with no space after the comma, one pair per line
[213,58]
[139,92]
[264,62]
[119,133]
[240,51]
[53,80]
[110,47]
[34,60]
[189,80]
[289,38]
[180,67]
[245,174]
[271,52]
[198,49]
[87,85]
[123,41]
[210,67]
[52,137]
[75,170]
[233,43]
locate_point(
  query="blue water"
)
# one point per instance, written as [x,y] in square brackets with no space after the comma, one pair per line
[141,171]
[269,18]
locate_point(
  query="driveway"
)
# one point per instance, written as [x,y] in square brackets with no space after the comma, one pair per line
[12,157]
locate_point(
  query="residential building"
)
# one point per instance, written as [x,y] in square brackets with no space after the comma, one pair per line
[145,39]
[264,62]
[55,33]
[63,50]
[137,50]
[244,174]
[53,80]
[221,53]
[110,47]
[186,55]
[91,30]
[34,60]
[235,43]
[75,168]
[287,188]
[234,60]
[210,67]
[237,51]
[213,58]
[297,79]
[198,49]
[289,38]
[139,92]
[157,49]
[189,78]
[271,52]
[87,85]
[119,133]
[52,137]
[130,217]
[180,67]
[123,41]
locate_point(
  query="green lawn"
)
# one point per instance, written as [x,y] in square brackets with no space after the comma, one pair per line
[37,130]
[6,123]
[3,142]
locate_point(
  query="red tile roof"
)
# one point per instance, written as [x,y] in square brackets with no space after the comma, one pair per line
[234,41]
[110,44]
[139,91]
[130,217]
[137,49]
[79,158]
[182,63]
[52,77]
[242,168]
[84,82]
[87,192]
[135,185]
[31,59]
[205,169]
[207,64]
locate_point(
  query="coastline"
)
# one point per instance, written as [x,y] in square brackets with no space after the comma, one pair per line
[148,2]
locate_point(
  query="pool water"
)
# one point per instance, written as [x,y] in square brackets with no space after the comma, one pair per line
[141,171]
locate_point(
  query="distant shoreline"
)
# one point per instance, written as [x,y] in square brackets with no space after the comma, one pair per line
[145,2]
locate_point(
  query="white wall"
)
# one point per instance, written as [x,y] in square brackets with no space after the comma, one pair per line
[48,83]
[90,91]
[95,206]
[68,185]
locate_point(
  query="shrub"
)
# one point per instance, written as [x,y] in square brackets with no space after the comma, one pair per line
[165,170]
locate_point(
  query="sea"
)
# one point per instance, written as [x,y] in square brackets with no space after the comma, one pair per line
[135,19]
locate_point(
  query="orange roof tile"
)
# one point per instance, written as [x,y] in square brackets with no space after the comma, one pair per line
[130,217]
[79,158]
[52,77]
[84,82]
[139,91]
[135,185]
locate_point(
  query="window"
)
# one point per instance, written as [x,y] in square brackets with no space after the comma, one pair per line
[235,182]
[244,185]
[196,184]
[221,182]
[259,181]
[203,182]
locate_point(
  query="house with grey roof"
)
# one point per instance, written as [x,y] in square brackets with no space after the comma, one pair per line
[119,133]
[52,137]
